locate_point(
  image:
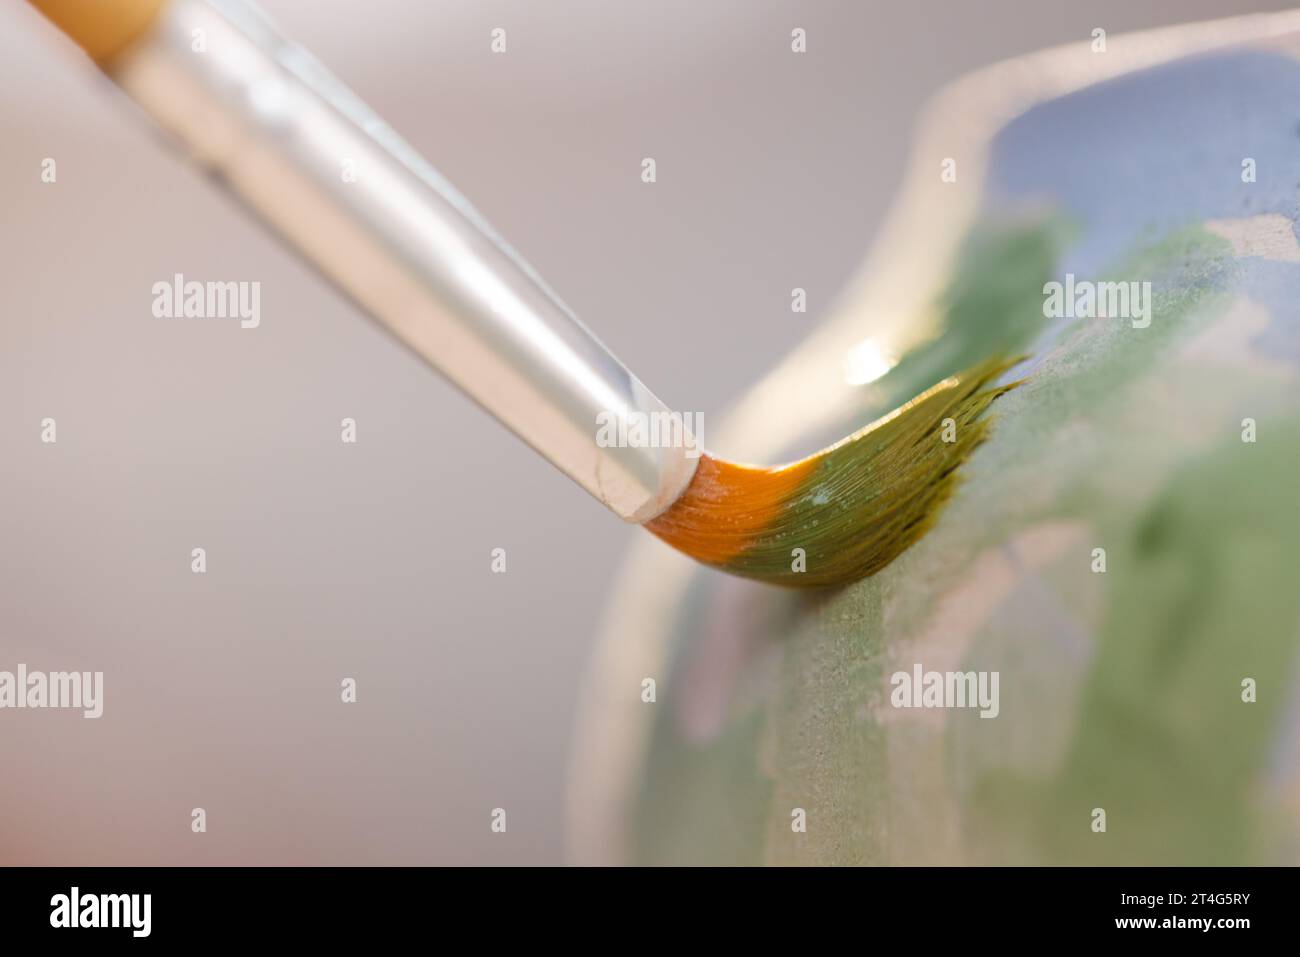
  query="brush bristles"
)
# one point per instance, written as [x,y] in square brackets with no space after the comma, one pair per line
[852,508]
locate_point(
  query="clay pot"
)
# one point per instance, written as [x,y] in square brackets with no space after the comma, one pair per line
[1091,657]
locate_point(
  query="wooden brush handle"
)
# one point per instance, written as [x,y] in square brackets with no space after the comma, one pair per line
[103,28]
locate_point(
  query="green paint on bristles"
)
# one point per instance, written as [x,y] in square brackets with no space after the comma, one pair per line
[852,508]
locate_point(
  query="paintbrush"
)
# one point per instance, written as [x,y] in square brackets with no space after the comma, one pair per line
[277,129]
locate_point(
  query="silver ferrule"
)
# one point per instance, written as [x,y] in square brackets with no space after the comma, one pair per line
[345,191]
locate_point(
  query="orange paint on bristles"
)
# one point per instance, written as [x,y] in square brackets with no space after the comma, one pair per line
[728,506]
[847,511]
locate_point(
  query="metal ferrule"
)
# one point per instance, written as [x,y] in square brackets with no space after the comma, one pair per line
[282,134]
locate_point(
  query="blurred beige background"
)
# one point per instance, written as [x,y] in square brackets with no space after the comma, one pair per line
[371,561]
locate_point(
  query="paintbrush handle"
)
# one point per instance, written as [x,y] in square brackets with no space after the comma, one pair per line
[345,191]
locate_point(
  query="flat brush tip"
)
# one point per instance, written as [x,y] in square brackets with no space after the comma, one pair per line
[851,508]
